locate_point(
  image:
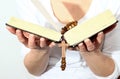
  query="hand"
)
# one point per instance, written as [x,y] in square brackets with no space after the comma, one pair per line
[30,40]
[93,46]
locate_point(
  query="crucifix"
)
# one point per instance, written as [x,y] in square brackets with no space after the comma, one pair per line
[63,44]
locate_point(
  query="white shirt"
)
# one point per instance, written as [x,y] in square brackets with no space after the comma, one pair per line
[76,66]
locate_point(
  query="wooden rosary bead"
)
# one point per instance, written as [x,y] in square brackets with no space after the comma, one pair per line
[71,25]
[63,63]
[63,30]
[68,26]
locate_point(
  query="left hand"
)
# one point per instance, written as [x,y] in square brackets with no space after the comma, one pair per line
[93,46]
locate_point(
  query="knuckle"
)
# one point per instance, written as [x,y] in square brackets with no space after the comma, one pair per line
[22,40]
[91,48]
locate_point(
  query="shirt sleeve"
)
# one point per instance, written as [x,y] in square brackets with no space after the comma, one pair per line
[114,75]
[111,48]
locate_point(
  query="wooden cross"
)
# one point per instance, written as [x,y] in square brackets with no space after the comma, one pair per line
[63,45]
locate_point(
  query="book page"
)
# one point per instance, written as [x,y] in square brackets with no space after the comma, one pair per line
[35,29]
[89,28]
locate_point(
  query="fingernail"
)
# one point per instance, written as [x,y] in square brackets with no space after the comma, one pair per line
[42,39]
[31,35]
[87,40]
[80,44]
[101,33]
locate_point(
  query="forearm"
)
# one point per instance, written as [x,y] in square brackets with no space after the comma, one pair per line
[99,63]
[36,61]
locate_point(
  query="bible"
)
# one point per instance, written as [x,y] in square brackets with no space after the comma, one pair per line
[69,36]
[73,36]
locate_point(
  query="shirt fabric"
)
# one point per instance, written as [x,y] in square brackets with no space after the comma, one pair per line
[76,66]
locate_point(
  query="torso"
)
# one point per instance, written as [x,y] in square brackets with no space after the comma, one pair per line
[76,67]
[70,10]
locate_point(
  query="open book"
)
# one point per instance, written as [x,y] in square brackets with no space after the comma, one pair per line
[73,36]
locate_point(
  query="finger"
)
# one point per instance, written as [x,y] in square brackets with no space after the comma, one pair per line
[77,48]
[82,47]
[100,37]
[11,29]
[89,45]
[21,37]
[31,41]
[26,34]
[42,42]
[52,44]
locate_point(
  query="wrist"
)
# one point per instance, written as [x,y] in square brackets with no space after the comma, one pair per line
[91,53]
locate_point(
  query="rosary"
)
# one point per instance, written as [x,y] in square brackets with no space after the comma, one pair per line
[63,43]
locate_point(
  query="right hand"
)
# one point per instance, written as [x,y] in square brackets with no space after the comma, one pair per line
[30,40]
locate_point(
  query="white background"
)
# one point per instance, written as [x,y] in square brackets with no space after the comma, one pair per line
[11,63]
